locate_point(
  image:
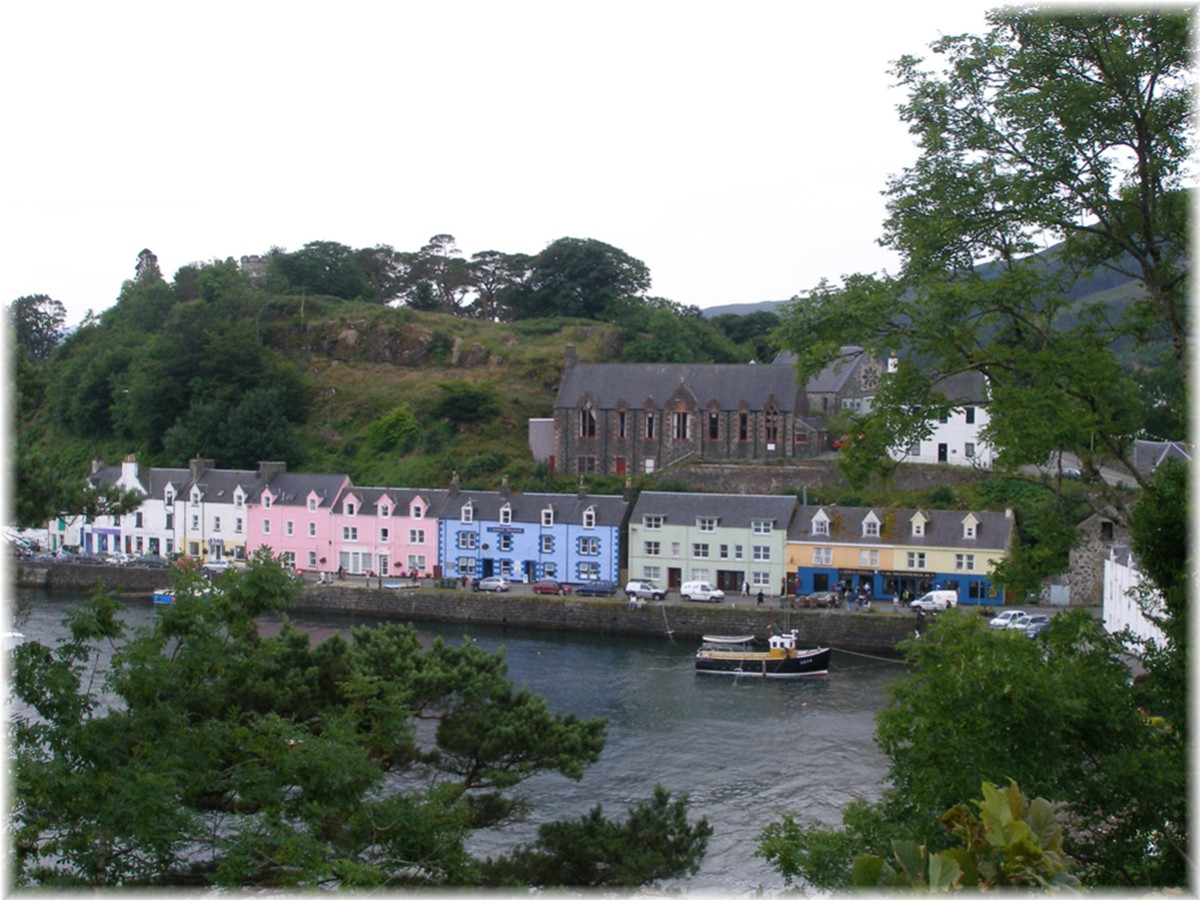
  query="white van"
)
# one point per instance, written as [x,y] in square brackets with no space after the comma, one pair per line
[936,601]
[701,590]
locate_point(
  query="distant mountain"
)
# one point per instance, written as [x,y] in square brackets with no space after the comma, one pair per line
[743,309]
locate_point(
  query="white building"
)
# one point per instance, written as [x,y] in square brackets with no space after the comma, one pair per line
[956,439]
[1121,609]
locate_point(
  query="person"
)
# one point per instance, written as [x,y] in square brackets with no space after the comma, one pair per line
[896,602]
[341,573]
[745,589]
[760,597]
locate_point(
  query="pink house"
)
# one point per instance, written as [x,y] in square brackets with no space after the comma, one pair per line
[385,532]
[292,516]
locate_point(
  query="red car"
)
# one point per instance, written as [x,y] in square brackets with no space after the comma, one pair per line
[550,586]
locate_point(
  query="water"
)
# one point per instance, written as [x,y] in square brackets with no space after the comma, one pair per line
[745,751]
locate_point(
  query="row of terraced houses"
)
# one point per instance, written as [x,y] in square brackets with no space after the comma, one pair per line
[324,523]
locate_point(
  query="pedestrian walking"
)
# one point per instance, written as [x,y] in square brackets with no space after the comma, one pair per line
[745,589]
[760,598]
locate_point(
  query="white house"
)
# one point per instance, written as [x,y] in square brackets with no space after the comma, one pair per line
[956,438]
[1121,609]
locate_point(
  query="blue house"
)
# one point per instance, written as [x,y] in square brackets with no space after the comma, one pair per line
[524,537]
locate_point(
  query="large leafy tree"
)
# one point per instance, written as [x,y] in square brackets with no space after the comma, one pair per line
[222,757]
[1053,126]
[37,323]
[326,267]
[580,277]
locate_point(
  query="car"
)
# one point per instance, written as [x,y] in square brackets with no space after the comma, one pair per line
[701,590]
[216,566]
[119,559]
[152,562]
[596,589]
[936,601]
[1035,624]
[492,583]
[1005,619]
[644,590]
[550,586]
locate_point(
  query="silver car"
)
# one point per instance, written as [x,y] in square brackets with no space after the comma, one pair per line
[494,583]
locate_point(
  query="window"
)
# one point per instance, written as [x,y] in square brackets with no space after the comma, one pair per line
[700,575]
[706,524]
[761,580]
[964,562]
[587,423]
[723,551]
[550,570]
[312,559]
[969,450]
[506,514]
[385,511]
[384,535]
[466,564]
[918,528]
[714,426]
[416,562]
[266,526]
[700,551]
[195,523]
[588,571]
[585,465]
[621,424]
[169,499]
[870,528]
[868,558]
[652,573]
[137,520]
[652,548]
[195,498]
[289,528]
[762,526]
[350,507]
[416,535]
[914,449]
[467,540]
[969,412]
[737,551]
[743,426]
[547,543]
[349,533]
[681,426]
[467,514]
[170,521]
[504,543]
[589,546]
[589,517]
[417,512]
[312,504]
[771,423]
[547,518]
[216,523]
[675,549]
[761,552]
[652,523]
[506,568]
[1106,531]
[820,526]
[969,530]
[916,560]
[266,501]
[649,426]
[822,556]
[312,529]
[237,525]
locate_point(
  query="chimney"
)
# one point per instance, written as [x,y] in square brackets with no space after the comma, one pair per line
[129,468]
[197,466]
[505,491]
[97,465]
[268,469]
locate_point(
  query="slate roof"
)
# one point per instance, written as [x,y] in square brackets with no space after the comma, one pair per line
[943,527]
[962,387]
[158,479]
[731,510]
[402,498]
[832,378]
[219,485]
[293,488]
[1149,455]
[610,509]
[635,383]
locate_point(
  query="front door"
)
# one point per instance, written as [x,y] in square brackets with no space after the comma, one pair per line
[942,453]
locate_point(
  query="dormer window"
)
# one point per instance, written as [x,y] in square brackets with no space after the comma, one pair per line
[547,518]
[506,514]
[350,507]
[169,499]
[706,523]
[652,523]
[195,498]
[870,525]
[918,526]
[312,504]
[385,511]
[467,514]
[970,527]
[589,517]
[266,501]
[239,498]
[417,511]
[820,523]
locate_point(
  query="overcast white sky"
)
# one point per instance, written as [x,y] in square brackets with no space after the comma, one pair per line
[739,150]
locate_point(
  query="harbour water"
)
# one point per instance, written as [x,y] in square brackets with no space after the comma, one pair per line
[745,751]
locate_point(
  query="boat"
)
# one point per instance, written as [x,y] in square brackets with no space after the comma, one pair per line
[164,596]
[736,655]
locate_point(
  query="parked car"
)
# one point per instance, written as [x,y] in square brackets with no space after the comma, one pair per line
[936,601]
[644,590]
[550,586]
[1006,618]
[119,559]
[87,559]
[492,583]
[152,562]
[1035,624]
[701,590]
[596,589]
[216,566]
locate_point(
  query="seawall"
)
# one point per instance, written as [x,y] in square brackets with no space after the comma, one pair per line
[863,632]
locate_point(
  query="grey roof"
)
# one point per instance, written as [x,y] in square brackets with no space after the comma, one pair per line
[402,498]
[962,387]
[731,510]
[832,378]
[1149,455]
[943,527]
[293,488]
[610,509]
[158,479]
[610,384]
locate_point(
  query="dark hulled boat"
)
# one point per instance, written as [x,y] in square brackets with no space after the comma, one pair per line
[735,655]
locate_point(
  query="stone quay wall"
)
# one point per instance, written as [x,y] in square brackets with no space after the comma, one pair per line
[864,632]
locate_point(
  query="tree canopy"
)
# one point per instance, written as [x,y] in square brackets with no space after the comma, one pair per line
[37,323]
[209,754]
[1068,127]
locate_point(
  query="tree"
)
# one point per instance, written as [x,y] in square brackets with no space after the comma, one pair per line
[497,276]
[580,277]
[222,757]
[1063,126]
[37,323]
[437,276]
[325,267]
[1057,716]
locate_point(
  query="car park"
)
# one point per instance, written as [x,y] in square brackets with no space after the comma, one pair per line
[936,601]
[550,586]
[644,590]
[596,589]
[1035,624]
[1005,619]
[701,590]
[492,583]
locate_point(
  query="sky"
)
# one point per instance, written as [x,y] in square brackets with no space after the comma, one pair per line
[738,150]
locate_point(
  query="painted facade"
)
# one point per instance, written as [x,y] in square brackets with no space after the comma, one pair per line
[387,532]
[728,539]
[292,517]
